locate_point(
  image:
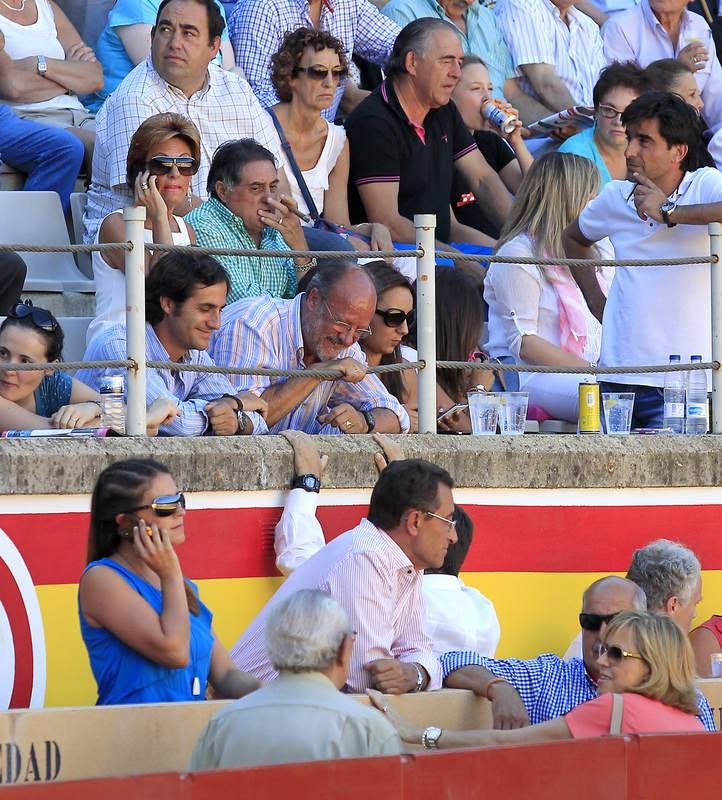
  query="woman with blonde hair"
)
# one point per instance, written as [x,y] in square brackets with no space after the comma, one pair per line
[537,314]
[646,685]
[163,156]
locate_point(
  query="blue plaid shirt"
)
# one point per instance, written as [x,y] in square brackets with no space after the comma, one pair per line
[548,686]
[257,28]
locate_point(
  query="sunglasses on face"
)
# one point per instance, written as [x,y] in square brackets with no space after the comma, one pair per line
[593,622]
[321,73]
[164,506]
[395,317]
[615,654]
[40,317]
[163,165]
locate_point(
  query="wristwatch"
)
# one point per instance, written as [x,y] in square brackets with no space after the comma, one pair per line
[419,679]
[370,420]
[42,65]
[243,420]
[665,210]
[430,737]
[309,483]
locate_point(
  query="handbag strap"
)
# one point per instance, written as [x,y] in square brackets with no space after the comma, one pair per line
[615,726]
[285,144]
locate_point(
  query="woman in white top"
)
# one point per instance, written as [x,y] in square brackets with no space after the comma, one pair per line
[305,73]
[537,314]
[163,156]
[49,65]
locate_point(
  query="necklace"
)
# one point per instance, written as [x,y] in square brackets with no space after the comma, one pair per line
[12,8]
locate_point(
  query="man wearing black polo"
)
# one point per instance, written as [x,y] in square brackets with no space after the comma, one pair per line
[407,137]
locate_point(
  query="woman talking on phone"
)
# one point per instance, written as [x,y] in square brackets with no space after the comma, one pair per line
[148,635]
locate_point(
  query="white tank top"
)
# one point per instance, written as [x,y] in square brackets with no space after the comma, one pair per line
[38,39]
[110,283]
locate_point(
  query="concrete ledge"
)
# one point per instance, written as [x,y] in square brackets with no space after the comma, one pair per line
[65,466]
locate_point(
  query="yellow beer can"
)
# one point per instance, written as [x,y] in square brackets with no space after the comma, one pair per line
[589,409]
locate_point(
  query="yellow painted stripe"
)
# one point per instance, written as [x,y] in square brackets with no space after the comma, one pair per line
[537,611]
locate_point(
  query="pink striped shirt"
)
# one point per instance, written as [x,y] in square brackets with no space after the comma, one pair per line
[377,585]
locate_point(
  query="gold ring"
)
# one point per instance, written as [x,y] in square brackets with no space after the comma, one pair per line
[144,186]
[384,709]
[280,220]
[348,423]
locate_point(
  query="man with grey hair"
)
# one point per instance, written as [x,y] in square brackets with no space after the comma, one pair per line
[407,137]
[301,715]
[671,576]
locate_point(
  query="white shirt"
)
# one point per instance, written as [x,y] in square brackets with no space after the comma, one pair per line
[610,7]
[459,617]
[640,37]
[536,34]
[522,301]
[224,108]
[652,312]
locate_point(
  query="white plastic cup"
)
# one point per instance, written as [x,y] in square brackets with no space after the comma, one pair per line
[484,412]
[618,408]
[512,412]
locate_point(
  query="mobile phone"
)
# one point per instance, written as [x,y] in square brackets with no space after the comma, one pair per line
[454,408]
[125,527]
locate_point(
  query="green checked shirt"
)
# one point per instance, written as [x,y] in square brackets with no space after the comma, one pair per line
[250,276]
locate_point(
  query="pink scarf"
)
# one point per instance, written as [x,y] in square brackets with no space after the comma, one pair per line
[572,310]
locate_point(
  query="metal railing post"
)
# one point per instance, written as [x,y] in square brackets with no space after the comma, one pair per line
[715,246]
[134,219]
[425,225]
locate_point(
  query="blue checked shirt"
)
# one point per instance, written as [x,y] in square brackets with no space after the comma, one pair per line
[266,332]
[217,226]
[257,28]
[548,686]
[190,390]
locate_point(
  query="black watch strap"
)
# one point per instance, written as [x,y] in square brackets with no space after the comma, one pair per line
[370,420]
[309,483]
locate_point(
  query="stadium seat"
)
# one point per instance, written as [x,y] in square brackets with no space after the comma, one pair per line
[78,201]
[37,218]
[74,329]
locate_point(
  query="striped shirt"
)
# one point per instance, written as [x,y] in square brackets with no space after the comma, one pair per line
[190,390]
[266,332]
[377,586]
[217,226]
[257,29]
[536,34]
[548,686]
[224,108]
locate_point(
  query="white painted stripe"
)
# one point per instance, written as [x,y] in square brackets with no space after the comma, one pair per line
[663,496]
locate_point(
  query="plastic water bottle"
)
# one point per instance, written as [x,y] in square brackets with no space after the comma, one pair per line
[696,399]
[112,402]
[674,399]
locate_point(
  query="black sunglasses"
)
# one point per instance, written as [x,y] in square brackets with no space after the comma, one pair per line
[164,506]
[162,165]
[615,653]
[593,622]
[40,317]
[319,73]
[395,317]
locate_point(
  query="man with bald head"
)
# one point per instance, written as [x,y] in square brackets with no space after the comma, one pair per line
[318,329]
[546,687]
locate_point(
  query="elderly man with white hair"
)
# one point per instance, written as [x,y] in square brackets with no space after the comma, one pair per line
[301,715]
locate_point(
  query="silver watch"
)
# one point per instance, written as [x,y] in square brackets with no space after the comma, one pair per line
[42,65]
[430,737]
[665,210]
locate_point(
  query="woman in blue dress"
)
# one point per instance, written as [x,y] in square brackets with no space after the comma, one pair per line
[149,636]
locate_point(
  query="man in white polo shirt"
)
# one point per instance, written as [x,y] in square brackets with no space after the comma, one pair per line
[660,212]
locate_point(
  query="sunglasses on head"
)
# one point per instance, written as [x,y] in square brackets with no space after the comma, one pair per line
[40,317]
[320,73]
[395,317]
[615,653]
[593,622]
[164,506]
[162,165]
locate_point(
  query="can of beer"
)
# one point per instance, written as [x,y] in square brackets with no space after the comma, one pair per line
[589,419]
[491,111]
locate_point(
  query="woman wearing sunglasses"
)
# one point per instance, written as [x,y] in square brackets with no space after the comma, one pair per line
[644,659]
[40,399]
[163,156]
[305,73]
[148,635]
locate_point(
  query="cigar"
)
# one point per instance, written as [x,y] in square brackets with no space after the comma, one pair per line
[299,214]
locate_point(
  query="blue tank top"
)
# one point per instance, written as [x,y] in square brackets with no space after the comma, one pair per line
[125,676]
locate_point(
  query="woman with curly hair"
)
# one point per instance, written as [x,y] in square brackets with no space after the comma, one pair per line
[306,72]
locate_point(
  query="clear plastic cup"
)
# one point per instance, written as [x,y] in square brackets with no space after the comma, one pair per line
[716,665]
[618,407]
[512,412]
[484,412]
